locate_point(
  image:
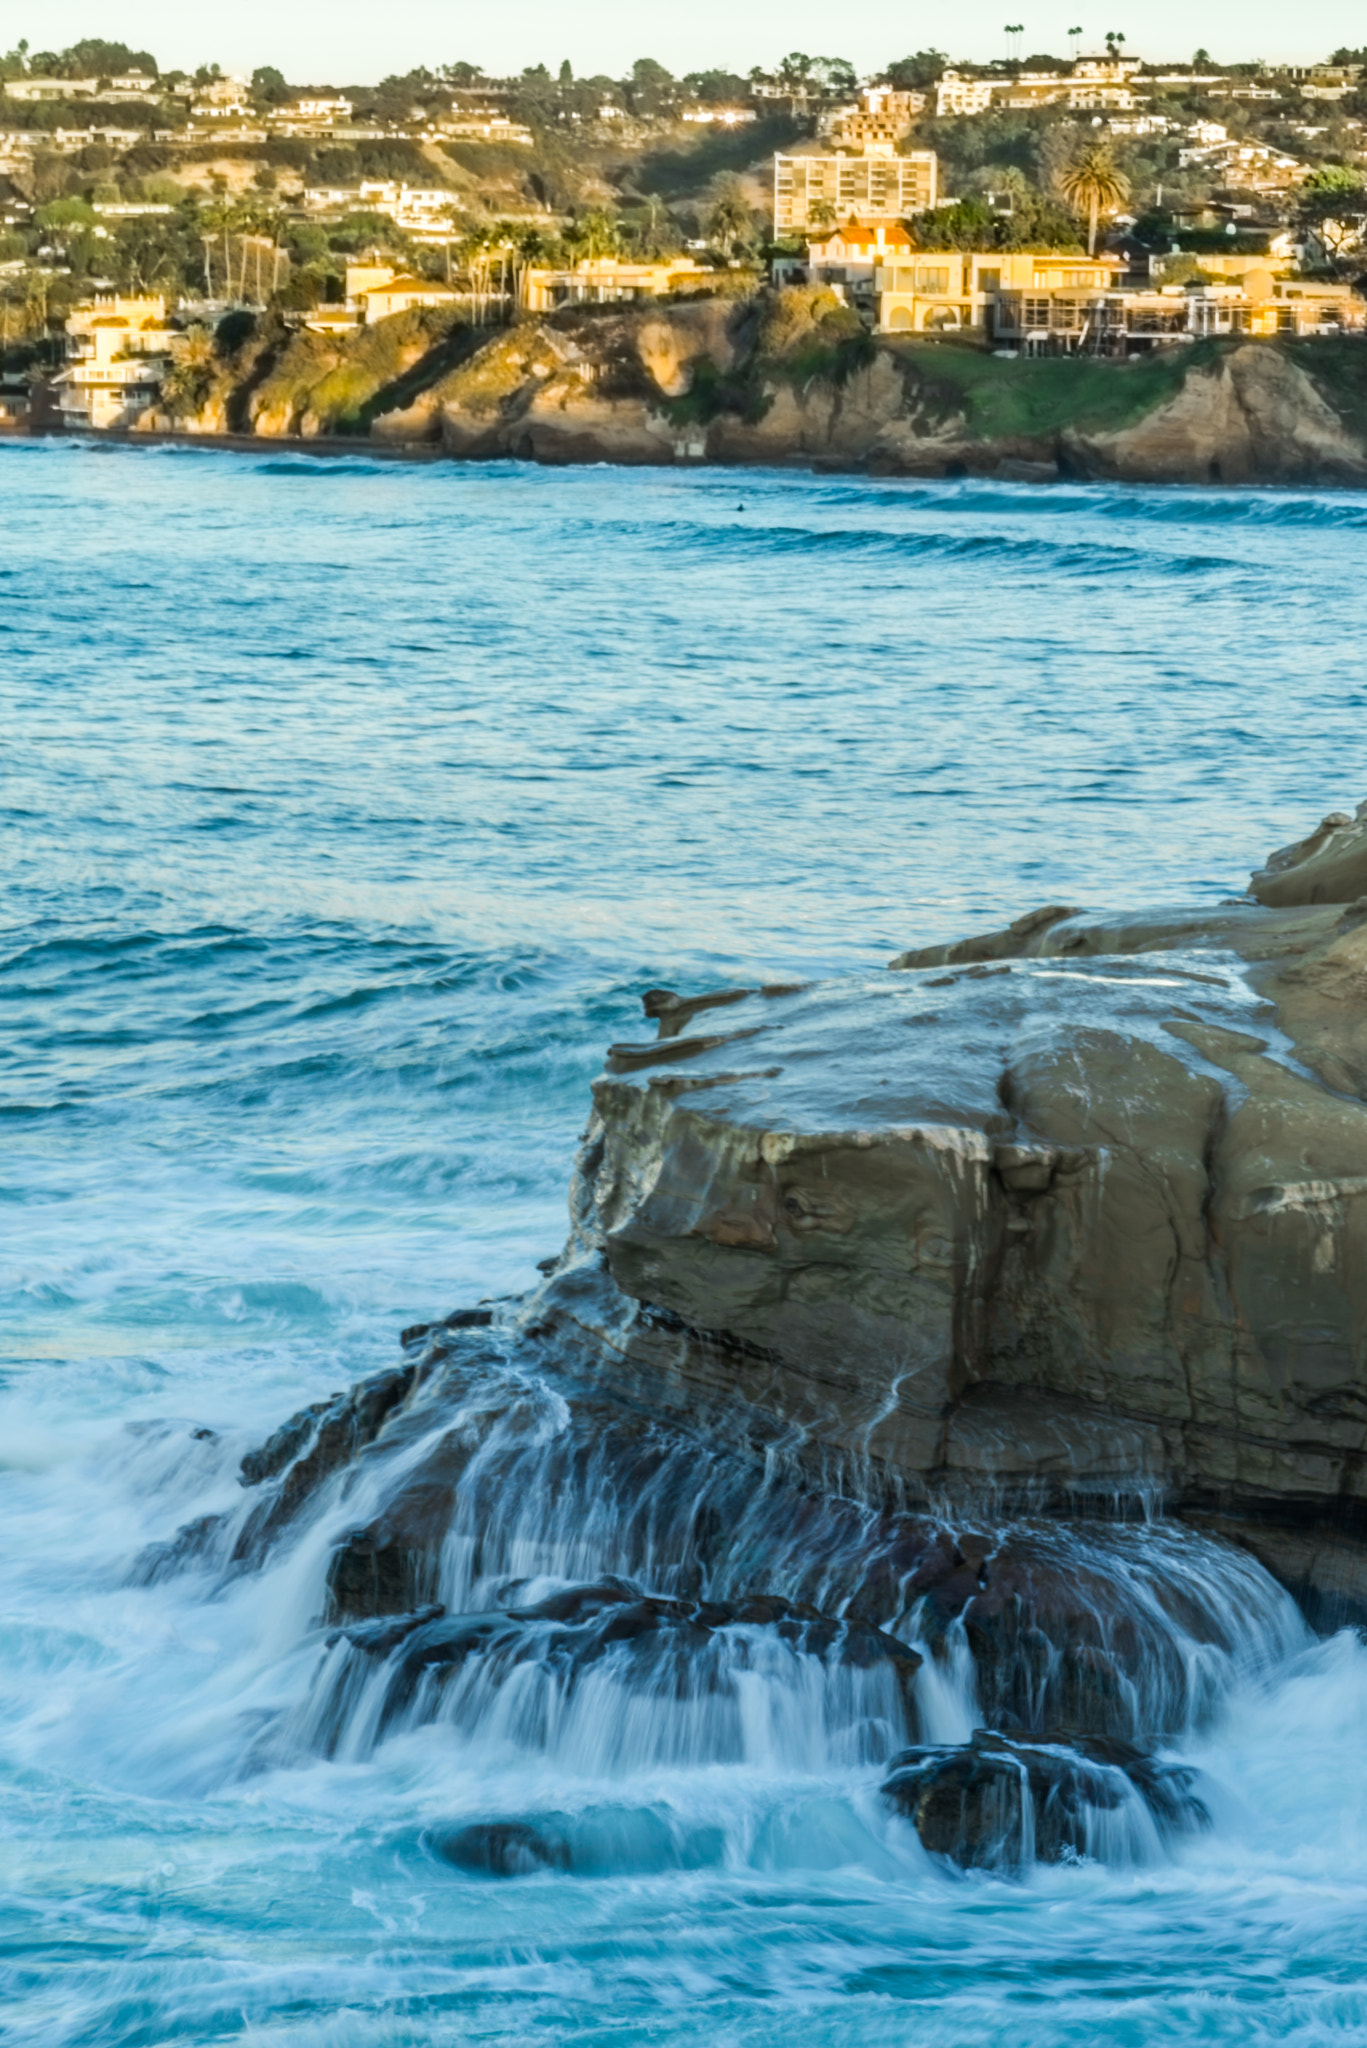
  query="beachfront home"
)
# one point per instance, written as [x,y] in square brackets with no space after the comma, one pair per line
[373,292]
[117,352]
[1048,321]
[601,279]
[950,290]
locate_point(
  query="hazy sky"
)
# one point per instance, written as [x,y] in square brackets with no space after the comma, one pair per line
[356,40]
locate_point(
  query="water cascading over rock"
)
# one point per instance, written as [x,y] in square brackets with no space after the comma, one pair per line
[947,1376]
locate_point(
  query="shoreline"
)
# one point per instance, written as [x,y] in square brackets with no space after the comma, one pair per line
[335,447]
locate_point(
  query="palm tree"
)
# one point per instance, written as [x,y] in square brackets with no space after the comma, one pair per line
[595,233]
[730,224]
[1093,183]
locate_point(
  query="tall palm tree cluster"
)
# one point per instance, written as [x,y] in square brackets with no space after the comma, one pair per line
[243,249]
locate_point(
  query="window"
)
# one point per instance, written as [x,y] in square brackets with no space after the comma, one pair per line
[1036,313]
[989,280]
[932,280]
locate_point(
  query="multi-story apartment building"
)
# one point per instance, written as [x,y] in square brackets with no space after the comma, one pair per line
[815,191]
[876,124]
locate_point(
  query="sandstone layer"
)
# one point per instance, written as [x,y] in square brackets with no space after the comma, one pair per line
[1066,1212]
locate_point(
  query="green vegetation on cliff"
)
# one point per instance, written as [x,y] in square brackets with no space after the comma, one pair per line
[1002,398]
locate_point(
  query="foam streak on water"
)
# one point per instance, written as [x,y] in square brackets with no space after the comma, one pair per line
[346,809]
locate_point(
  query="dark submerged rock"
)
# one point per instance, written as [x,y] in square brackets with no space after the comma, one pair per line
[501,1848]
[999,1802]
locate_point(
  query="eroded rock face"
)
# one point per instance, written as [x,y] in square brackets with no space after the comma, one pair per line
[1065,1218]
[1329,866]
[1250,416]
[997,1803]
[1065,1209]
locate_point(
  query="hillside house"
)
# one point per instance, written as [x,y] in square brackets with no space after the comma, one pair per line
[117,352]
[947,291]
[602,279]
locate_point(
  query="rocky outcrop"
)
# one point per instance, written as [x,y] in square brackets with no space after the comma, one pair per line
[1072,1209]
[894,1310]
[998,1804]
[1250,416]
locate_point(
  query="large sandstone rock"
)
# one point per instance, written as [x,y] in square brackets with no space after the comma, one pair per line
[1072,1209]
[1248,417]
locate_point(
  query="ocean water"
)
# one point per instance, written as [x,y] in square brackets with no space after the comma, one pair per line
[346,811]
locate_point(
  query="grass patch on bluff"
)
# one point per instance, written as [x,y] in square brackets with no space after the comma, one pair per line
[1001,397]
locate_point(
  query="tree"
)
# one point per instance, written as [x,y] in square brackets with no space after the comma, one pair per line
[1332,206]
[651,90]
[595,233]
[1034,222]
[716,88]
[269,87]
[729,223]
[1092,183]
[918,73]
[836,75]
[189,380]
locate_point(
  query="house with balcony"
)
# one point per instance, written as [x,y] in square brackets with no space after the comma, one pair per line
[375,291]
[604,279]
[117,353]
[1122,323]
[946,291]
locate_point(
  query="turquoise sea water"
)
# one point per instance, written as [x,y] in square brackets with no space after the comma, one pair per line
[346,811]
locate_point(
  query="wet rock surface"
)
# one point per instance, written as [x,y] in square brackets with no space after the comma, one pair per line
[667,1651]
[897,1317]
[508,1848]
[1001,1803]
[1065,1210]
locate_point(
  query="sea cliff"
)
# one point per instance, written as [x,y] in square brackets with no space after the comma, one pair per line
[791,377]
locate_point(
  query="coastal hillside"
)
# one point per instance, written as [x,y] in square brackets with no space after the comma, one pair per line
[790,376]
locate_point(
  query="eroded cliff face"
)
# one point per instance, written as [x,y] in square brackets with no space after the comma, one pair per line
[790,377]
[1065,1211]
[1249,417]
